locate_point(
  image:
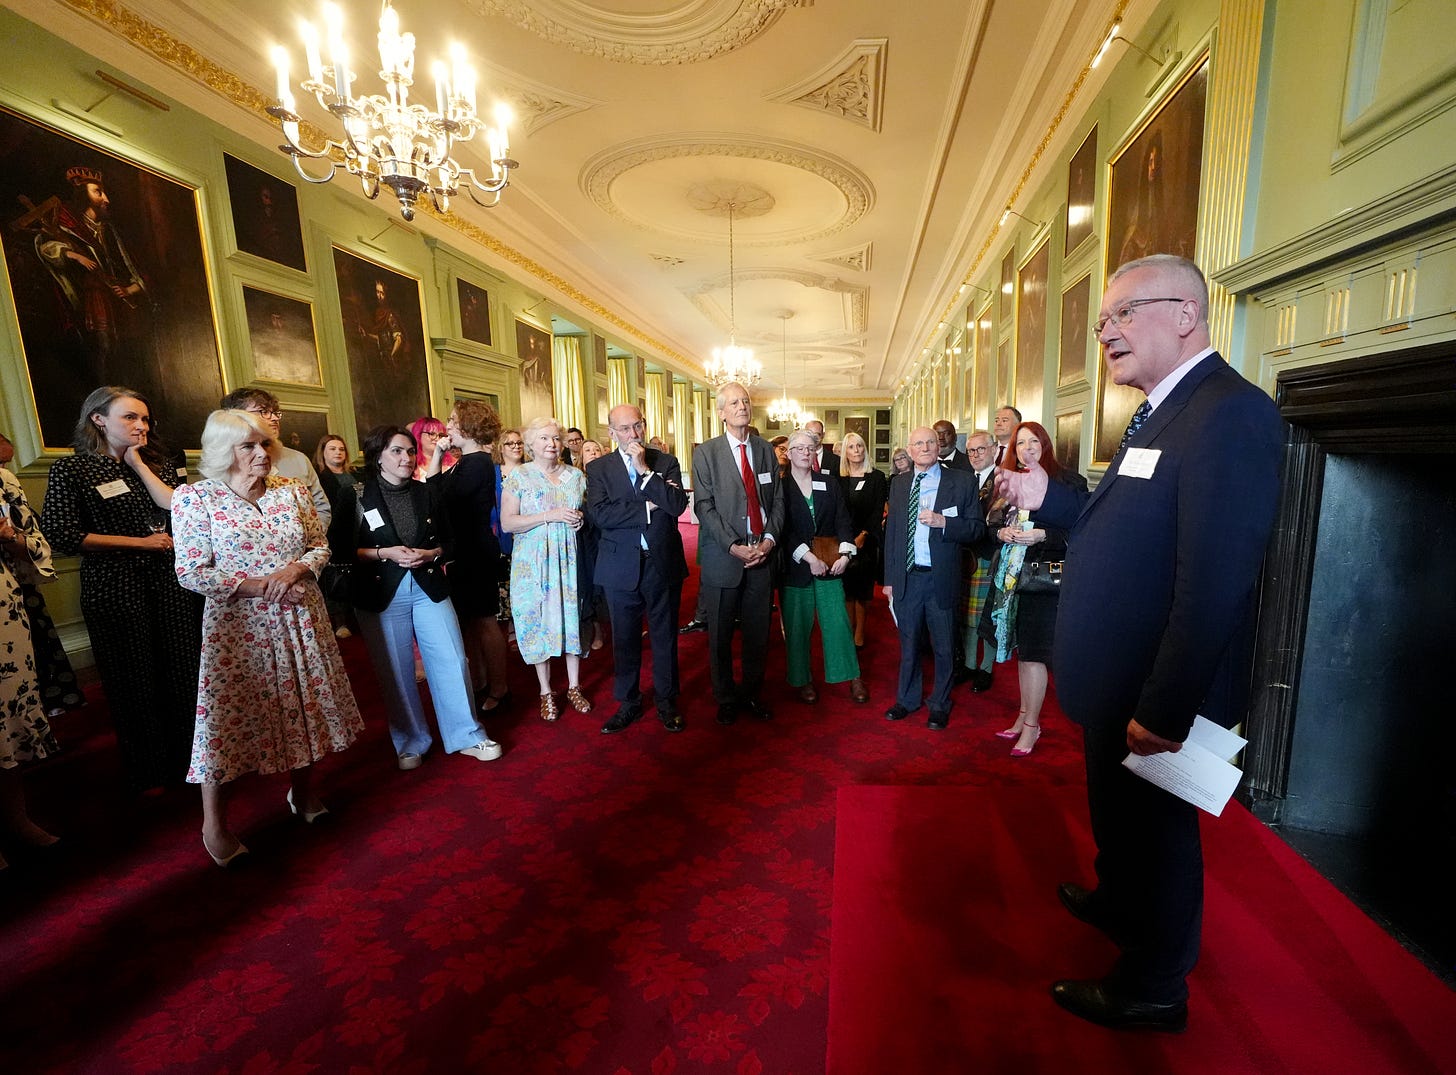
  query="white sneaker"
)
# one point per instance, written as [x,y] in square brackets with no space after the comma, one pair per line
[486,750]
[410,761]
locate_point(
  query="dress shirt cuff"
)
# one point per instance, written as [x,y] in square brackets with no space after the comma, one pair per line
[799,554]
[846,548]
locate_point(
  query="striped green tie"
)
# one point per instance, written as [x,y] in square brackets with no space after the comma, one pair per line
[912,512]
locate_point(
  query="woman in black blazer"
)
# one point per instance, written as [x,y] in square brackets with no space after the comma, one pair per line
[814,508]
[390,532]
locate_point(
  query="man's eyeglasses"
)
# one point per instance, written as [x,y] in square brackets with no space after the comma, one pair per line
[977,451]
[261,413]
[1123,314]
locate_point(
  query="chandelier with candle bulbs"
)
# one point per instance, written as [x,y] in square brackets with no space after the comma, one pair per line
[388,141]
[784,409]
[733,363]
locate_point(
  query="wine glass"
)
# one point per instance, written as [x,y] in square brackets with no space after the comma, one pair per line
[159,521]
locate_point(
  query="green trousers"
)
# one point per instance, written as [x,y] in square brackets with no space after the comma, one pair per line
[824,598]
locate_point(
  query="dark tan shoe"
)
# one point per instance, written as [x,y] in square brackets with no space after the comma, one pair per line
[549,711]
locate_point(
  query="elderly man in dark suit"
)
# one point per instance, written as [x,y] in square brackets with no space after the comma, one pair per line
[826,459]
[1155,614]
[933,512]
[634,497]
[736,494]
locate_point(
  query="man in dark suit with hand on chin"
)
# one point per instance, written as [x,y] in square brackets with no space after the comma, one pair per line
[933,512]
[1154,621]
[634,497]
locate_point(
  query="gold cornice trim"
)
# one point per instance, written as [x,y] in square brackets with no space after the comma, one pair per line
[182,57]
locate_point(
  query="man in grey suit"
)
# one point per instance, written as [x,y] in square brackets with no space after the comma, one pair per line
[933,512]
[736,494]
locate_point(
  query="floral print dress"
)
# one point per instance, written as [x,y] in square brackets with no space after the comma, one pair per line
[272,694]
[25,735]
[544,594]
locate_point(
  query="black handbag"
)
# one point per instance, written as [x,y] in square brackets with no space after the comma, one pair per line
[1040,576]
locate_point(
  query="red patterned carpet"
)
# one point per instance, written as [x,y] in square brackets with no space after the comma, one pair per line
[636,904]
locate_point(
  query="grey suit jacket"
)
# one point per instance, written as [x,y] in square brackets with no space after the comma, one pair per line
[721,504]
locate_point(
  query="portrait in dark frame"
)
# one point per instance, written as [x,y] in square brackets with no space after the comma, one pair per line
[281,333]
[1081,192]
[265,214]
[1152,209]
[857,425]
[1154,183]
[882,455]
[384,338]
[474,312]
[533,348]
[1031,334]
[109,281]
[882,418]
[599,355]
[831,418]
[1076,326]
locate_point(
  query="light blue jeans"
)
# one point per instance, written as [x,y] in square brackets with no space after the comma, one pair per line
[413,618]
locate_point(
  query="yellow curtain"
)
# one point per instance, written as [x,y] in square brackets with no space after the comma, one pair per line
[656,406]
[620,385]
[566,382]
[680,431]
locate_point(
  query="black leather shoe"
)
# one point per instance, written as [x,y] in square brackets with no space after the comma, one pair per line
[727,713]
[1082,904]
[1091,1000]
[896,712]
[621,719]
[692,626]
[980,681]
[757,710]
[671,719]
[937,721]
[962,674]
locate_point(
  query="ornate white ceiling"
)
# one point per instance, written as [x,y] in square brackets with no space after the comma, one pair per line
[870,145]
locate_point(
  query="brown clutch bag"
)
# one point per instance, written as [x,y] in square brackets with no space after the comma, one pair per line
[826,549]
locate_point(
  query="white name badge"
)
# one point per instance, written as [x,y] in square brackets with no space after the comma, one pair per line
[374,519]
[1139,462]
[820,486]
[859,485]
[113,488]
[951,511]
[181,472]
[765,479]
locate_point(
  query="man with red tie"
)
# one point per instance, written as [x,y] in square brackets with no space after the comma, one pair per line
[736,496]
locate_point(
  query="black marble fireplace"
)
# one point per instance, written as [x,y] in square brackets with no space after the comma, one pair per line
[1353,721]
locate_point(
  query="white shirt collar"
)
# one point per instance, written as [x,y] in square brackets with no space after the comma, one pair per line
[1164,388]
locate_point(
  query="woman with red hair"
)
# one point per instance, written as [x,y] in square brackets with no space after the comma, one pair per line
[1020,612]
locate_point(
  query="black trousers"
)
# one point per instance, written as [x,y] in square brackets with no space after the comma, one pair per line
[1149,871]
[655,598]
[748,605]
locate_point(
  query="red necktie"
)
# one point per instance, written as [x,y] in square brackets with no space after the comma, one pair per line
[750,485]
[814,462]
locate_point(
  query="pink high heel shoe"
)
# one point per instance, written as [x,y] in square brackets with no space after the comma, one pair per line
[1018,751]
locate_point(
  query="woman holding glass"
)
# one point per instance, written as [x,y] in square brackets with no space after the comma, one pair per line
[820,546]
[273,696]
[109,504]
[541,505]
[1017,620]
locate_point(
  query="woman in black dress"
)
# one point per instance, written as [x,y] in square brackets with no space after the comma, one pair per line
[468,497]
[110,504]
[866,491]
[1025,621]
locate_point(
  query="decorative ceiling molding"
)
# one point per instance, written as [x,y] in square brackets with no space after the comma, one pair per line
[599,173]
[858,258]
[857,298]
[689,32]
[536,105]
[852,85]
[667,261]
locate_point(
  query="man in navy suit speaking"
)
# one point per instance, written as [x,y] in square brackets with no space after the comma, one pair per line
[633,497]
[1155,619]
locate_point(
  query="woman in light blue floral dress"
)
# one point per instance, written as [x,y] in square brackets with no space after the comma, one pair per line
[541,505]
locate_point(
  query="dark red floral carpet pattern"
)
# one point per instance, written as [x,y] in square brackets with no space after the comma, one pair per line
[635,904]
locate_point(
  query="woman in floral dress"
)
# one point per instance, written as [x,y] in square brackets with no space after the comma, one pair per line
[272,696]
[541,505]
[25,734]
